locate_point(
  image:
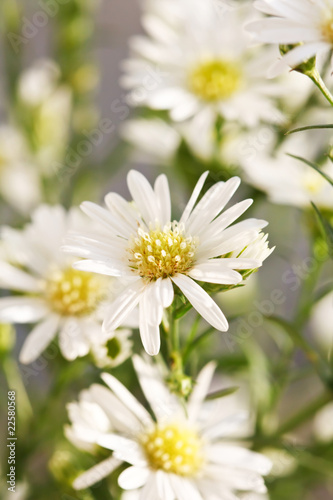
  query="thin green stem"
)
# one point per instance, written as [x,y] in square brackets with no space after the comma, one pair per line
[314,75]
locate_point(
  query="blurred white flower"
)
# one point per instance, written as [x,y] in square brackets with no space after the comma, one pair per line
[323,423]
[179,455]
[51,293]
[142,244]
[308,24]
[38,82]
[322,323]
[289,181]
[19,177]
[257,249]
[194,61]
[154,138]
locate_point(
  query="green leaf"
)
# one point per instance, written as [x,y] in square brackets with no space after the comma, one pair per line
[309,127]
[326,228]
[222,393]
[314,166]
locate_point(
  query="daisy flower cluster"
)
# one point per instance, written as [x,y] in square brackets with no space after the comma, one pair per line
[156,343]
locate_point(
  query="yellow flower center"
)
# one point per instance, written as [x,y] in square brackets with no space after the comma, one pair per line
[327,28]
[162,253]
[174,448]
[215,79]
[74,293]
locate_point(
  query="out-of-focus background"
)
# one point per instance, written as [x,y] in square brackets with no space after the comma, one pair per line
[61,108]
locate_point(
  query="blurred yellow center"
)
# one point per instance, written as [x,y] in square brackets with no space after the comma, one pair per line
[71,292]
[214,80]
[313,182]
[174,448]
[162,253]
[327,29]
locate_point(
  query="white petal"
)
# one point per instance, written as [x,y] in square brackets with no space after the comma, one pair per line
[123,305]
[164,487]
[236,456]
[150,334]
[121,418]
[133,477]
[143,195]
[200,390]
[105,268]
[162,402]
[202,302]
[104,217]
[215,271]
[149,491]
[124,449]
[127,398]
[184,488]
[162,192]
[166,292]
[225,427]
[194,197]
[22,309]
[38,339]
[295,57]
[72,341]
[16,279]
[96,473]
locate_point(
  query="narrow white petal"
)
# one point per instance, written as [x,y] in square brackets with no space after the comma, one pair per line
[202,302]
[150,334]
[16,279]
[124,449]
[165,490]
[143,195]
[127,398]
[93,266]
[194,197]
[39,338]
[166,292]
[22,309]
[200,390]
[133,477]
[184,488]
[162,192]
[162,402]
[236,456]
[225,427]
[96,473]
[149,491]
[104,217]
[215,271]
[123,305]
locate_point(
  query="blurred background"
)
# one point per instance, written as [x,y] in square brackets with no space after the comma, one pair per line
[61,113]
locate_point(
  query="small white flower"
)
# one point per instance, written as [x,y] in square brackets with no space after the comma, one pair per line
[177,455]
[51,293]
[141,244]
[111,349]
[195,62]
[308,24]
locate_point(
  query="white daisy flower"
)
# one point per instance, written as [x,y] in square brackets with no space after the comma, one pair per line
[141,244]
[308,24]
[51,293]
[194,61]
[178,454]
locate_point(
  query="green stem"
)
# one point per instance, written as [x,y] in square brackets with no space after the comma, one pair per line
[191,346]
[314,75]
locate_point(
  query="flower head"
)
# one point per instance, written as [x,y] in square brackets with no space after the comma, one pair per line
[142,244]
[195,62]
[176,454]
[51,293]
[307,24]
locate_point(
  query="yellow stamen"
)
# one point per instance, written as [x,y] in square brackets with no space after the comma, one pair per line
[174,447]
[162,253]
[74,293]
[215,79]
